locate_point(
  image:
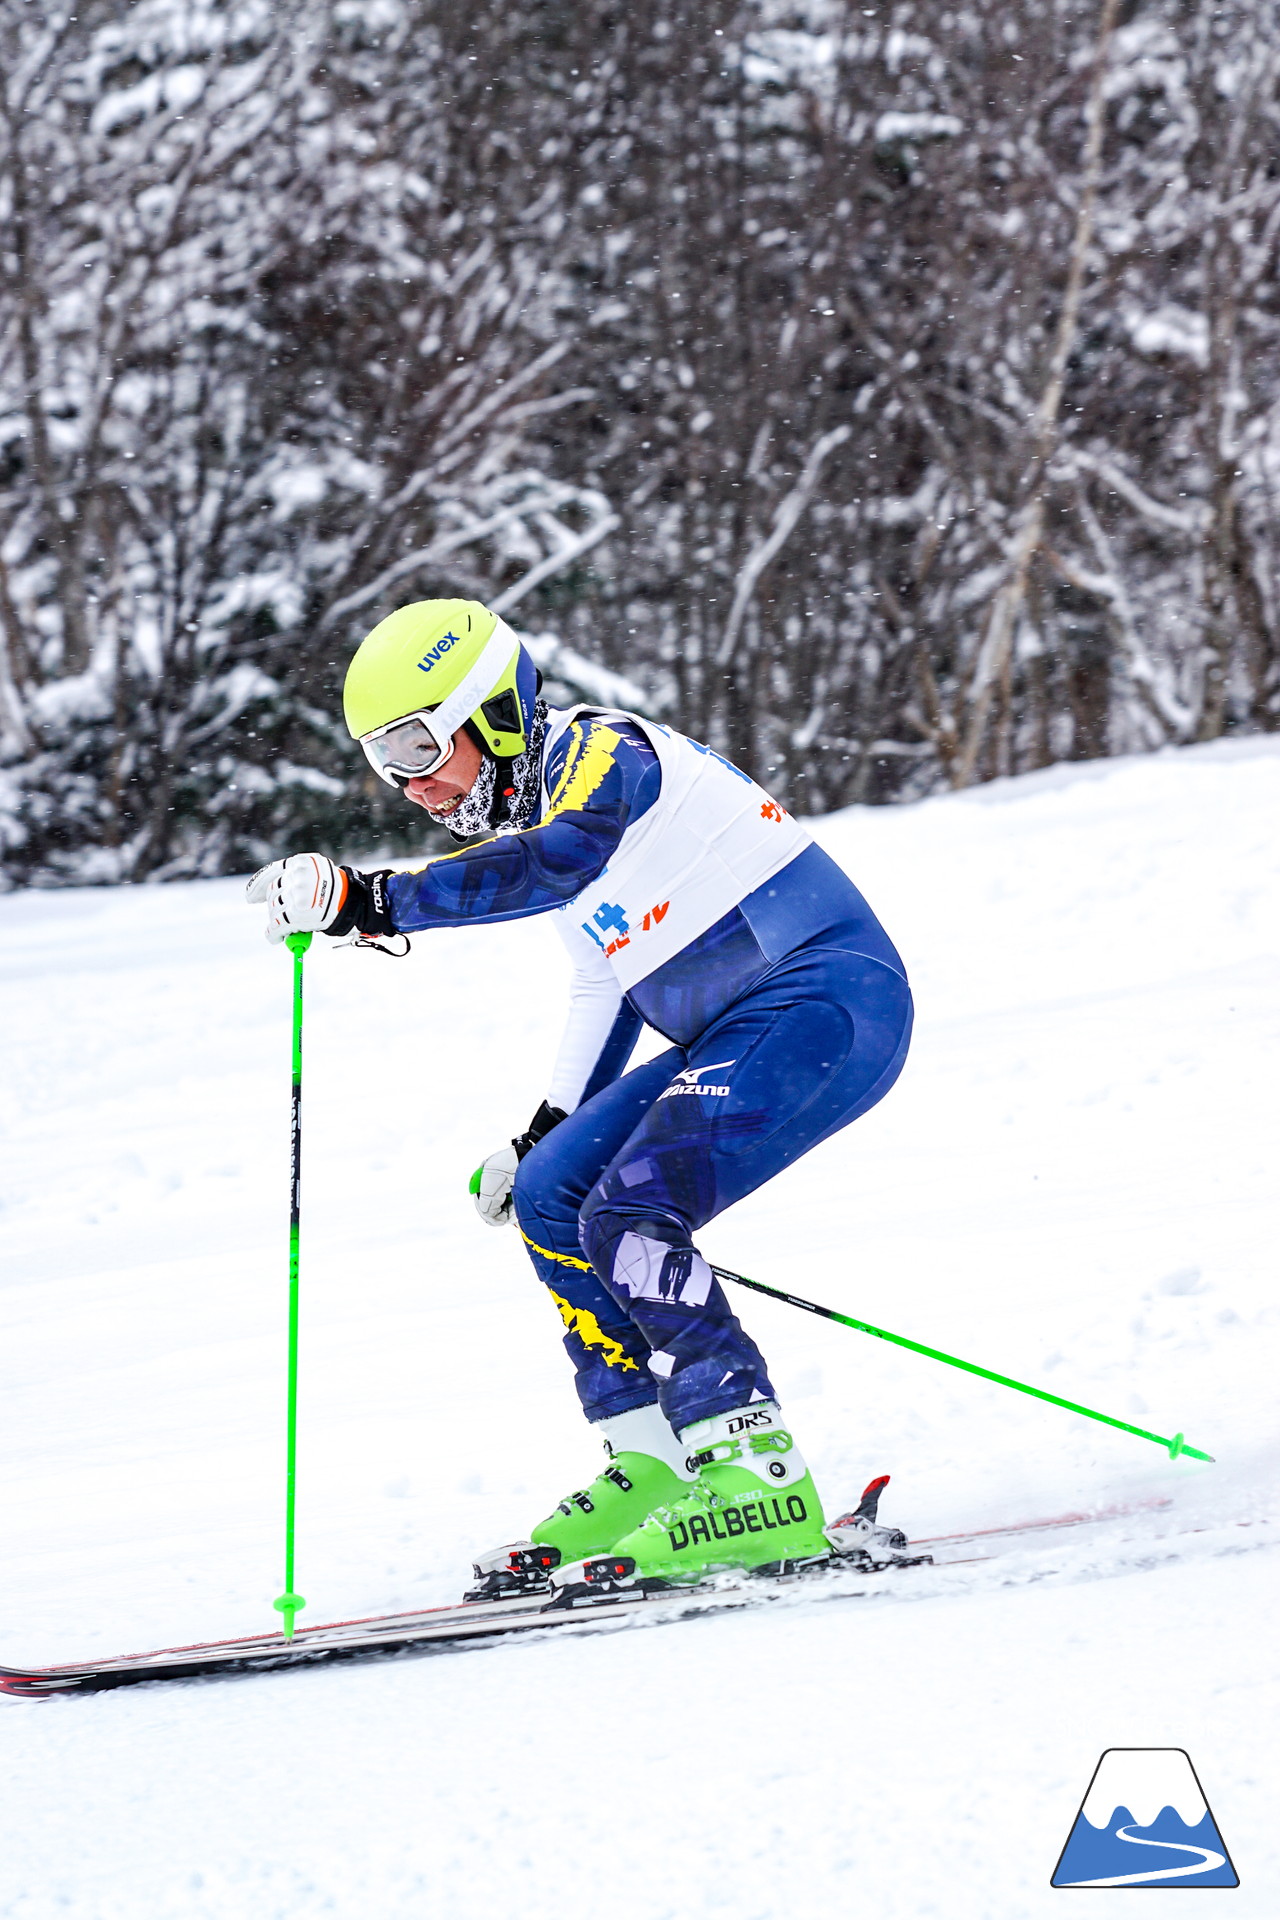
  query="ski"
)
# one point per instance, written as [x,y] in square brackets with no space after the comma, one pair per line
[480,1621]
[473,1622]
[976,1536]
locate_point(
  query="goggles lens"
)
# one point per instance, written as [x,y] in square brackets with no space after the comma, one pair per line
[406,749]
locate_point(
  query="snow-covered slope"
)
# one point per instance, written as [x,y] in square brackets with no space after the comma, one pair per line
[1073,1183]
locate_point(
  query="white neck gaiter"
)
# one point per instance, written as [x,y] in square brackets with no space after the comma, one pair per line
[524,775]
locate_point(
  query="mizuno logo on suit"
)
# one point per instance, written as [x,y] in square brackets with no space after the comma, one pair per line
[687,1082]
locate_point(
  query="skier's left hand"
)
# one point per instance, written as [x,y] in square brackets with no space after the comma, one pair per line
[304,894]
[309,893]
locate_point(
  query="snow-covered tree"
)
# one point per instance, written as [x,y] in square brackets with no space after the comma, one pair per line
[266,367]
[889,393]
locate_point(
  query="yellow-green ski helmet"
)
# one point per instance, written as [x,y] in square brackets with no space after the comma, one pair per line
[428,669]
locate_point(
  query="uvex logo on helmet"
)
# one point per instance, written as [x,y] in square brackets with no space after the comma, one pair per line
[429,659]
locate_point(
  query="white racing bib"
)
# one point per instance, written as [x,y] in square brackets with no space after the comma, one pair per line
[710,838]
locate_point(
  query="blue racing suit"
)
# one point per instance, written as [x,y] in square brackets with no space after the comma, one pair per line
[789,1017]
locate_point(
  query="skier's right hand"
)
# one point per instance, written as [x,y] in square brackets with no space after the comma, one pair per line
[493,1179]
[491,1185]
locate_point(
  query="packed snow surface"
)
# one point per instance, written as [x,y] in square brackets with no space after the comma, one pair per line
[1074,1183]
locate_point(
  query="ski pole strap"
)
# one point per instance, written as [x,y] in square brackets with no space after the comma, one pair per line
[1175,1447]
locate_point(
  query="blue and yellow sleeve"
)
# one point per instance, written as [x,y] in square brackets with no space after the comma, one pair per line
[602,776]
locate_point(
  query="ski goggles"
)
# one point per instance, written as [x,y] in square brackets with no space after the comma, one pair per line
[417,744]
[407,748]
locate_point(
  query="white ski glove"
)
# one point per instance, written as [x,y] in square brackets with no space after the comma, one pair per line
[491,1185]
[304,894]
[493,1179]
[309,893]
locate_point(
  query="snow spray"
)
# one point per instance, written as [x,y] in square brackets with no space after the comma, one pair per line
[1174,1447]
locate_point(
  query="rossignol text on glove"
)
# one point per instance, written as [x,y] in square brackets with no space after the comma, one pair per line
[365,909]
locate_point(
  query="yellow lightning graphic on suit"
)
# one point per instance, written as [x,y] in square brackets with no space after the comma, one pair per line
[581,1320]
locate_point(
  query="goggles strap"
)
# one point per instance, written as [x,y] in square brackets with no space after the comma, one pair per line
[479,683]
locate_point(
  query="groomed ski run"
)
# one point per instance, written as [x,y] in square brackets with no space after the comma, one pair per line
[1073,1183]
[1099,1546]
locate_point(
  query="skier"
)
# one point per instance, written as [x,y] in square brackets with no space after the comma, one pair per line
[690,900]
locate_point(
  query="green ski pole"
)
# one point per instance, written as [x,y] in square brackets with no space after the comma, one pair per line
[290,1604]
[1172,1447]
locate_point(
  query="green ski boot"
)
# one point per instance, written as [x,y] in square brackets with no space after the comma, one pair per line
[753,1505]
[646,1469]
